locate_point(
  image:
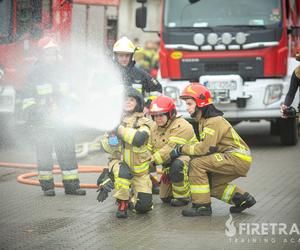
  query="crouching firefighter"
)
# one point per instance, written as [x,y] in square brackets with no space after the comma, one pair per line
[129,176]
[168,131]
[47,99]
[220,157]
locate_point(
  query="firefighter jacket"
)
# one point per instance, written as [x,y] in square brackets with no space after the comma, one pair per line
[163,139]
[133,132]
[142,81]
[47,93]
[218,136]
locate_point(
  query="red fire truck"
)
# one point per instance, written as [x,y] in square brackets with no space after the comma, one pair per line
[22,23]
[243,51]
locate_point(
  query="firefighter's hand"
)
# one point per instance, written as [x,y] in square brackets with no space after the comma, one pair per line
[165,179]
[176,152]
[105,185]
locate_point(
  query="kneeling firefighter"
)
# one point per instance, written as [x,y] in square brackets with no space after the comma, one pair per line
[220,157]
[129,160]
[168,131]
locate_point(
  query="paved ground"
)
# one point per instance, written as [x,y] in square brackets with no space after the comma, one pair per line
[28,220]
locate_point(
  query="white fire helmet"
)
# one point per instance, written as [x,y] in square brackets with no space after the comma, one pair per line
[124,45]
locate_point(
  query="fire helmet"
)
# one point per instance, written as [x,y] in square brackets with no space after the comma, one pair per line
[132,92]
[124,45]
[199,93]
[163,105]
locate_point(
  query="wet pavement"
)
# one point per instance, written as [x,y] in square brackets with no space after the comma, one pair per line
[28,220]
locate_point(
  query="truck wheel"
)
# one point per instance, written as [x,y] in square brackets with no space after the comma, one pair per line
[289,131]
[275,127]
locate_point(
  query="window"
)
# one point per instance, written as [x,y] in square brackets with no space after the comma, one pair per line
[5,20]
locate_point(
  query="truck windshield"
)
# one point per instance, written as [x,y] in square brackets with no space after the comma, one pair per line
[212,13]
[5,20]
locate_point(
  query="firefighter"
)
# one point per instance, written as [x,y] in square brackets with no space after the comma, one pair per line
[129,160]
[47,99]
[134,77]
[169,130]
[220,157]
[124,51]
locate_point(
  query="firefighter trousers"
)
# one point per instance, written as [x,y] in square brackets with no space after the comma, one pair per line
[178,188]
[211,176]
[134,187]
[47,139]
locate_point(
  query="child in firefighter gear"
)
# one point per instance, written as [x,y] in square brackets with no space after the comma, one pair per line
[220,157]
[129,160]
[47,96]
[168,131]
[134,77]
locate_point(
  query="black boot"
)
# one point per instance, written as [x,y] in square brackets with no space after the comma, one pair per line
[48,187]
[122,209]
[49,192]
[72,187]
[179,202]
[197,210]
[242,201]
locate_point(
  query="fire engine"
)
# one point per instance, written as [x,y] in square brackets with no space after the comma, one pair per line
[243,51]
[22,23]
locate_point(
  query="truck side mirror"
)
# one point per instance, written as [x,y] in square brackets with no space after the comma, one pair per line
[193,1]
[141,17]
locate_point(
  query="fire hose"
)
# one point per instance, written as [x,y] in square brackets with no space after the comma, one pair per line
[26,178]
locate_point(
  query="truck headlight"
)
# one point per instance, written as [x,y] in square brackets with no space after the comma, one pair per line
[273,93]
[173,92]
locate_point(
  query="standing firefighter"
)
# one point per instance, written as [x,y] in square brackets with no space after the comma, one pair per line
[168,131]
[220,157]
[47,99]
[129,163]
[150,88]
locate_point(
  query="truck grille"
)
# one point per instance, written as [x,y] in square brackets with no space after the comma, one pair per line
[221,67]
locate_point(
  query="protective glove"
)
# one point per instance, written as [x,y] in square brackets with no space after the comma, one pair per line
[152,167]
[113,140]
[165,179]
[105,185]
[176,152]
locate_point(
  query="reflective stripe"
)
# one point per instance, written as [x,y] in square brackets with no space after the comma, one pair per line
[28,102]
[227,194]
[236,139]
[140,168]
[129,135]
[193,140]
[158,158]
[209,131]
[150,146]
[127,156]
[200,189]
[104,182]
[202,136]
[122,183]
[44,89]
[242,156]
[70,174]
[45,175]
[192,150]
[180,188]
[218,157]
[178,140]
[178,196]
[106,147]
